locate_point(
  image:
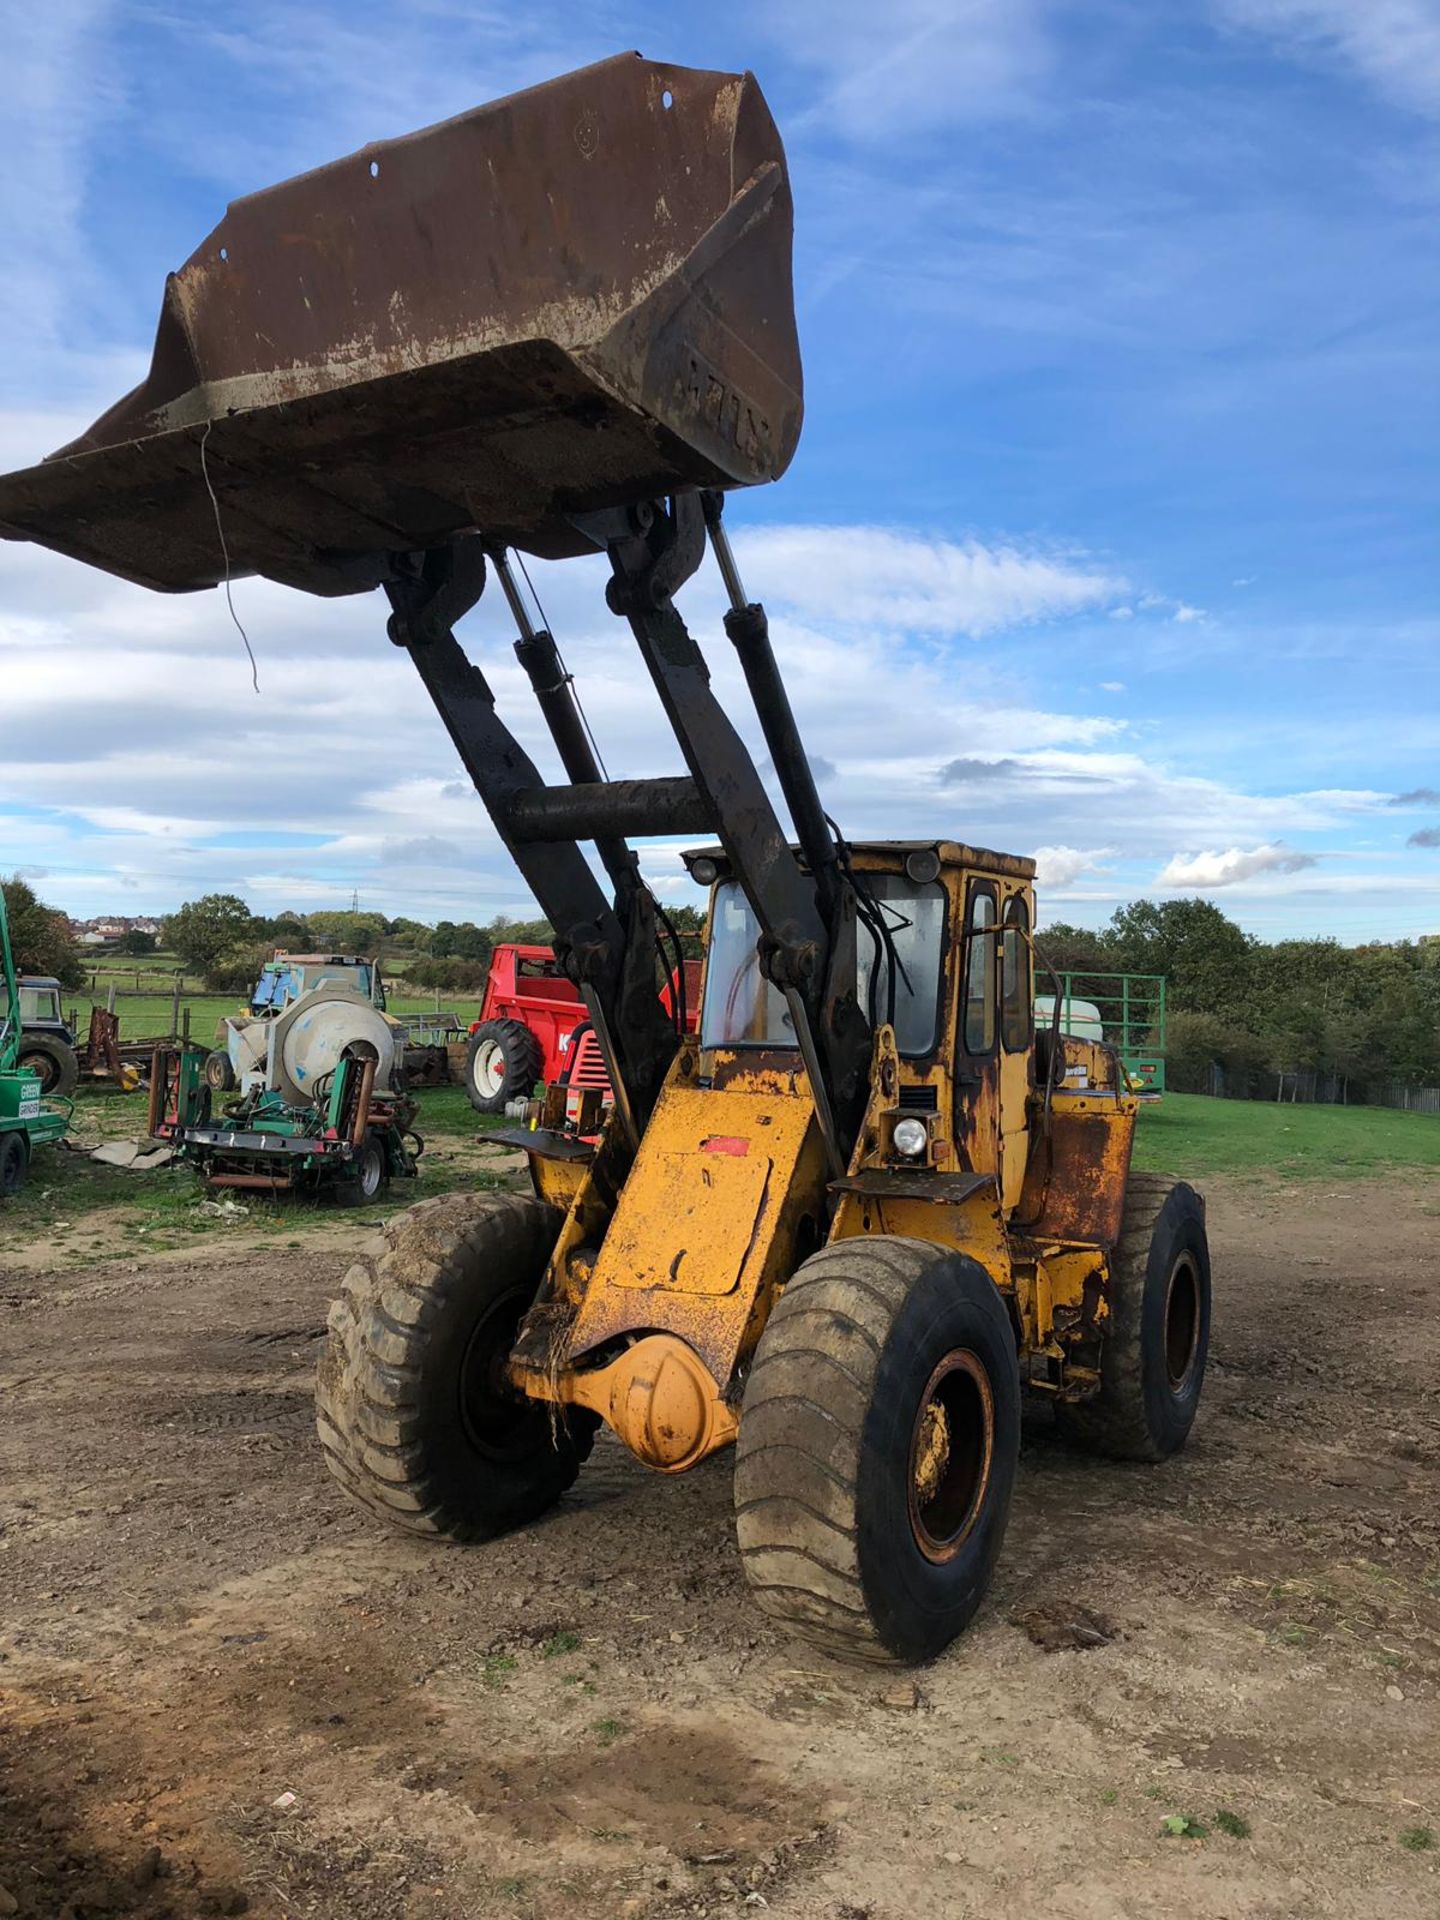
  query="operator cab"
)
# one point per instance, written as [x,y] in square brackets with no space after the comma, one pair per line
[289,976]
[40,1009]
[959,922]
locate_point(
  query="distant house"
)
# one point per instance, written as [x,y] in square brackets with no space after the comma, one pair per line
[109,932]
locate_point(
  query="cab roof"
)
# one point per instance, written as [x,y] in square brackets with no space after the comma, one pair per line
[951,853]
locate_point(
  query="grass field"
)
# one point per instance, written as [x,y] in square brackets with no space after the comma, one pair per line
[1187,1133]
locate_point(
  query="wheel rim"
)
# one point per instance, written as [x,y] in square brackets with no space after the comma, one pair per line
[952,1448]
[372,1171]
[1182,1322]
[41,1063]
[489,1068]
[498,1421]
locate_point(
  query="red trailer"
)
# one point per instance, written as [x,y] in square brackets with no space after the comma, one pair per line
[527,1025]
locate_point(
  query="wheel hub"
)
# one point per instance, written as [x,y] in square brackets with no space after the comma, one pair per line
[1182,1322]
[499,1421]
[952,1447]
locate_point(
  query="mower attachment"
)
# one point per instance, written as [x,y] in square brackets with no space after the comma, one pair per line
[570,299]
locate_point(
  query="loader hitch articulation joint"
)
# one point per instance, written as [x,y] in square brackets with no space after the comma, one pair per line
[431,592]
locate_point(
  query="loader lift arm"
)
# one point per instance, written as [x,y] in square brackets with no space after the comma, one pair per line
[804,910]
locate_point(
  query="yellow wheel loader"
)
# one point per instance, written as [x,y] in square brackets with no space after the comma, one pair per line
[847,1224]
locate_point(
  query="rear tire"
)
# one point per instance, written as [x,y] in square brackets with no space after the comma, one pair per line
[1152,1361]
[48,1055]
[877,1449]
[502,1063]
[412,1409]
[219,1072]
[14,1163]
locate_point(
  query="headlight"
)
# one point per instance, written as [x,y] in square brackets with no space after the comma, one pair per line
[911,1138]
[704,871]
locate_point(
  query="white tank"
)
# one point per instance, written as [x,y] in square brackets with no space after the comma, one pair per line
[308,1041]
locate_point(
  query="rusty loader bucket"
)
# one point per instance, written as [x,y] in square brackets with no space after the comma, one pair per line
[569,299]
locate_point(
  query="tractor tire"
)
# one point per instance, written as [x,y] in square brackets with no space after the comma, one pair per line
[367,1181]
[219,1071]
[878,1441]
[48,1055]
[1152,1361]
[413,1413]
[14,1163]
[502,1062]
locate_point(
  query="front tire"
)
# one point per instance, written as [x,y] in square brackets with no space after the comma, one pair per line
[412,1408]
[877,1449]
[48,1055]
[14,1163]
[1152,1361]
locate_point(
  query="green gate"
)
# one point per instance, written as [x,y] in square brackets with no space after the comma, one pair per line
[1125,1009]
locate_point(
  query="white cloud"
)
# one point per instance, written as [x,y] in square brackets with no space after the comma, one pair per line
[1058,866]
[1207,870]
[913,65]
[1395,44]
[140,760]
[877,577]
[1183,615]
[1112,686]
[137,744]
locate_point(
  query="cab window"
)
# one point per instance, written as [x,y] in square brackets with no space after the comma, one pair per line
[38,1004]
[1015,999]
[742,1008]
[980,970]
[915,921]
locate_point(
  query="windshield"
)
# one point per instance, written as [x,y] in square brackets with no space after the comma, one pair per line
[743,1009]
[37,1004]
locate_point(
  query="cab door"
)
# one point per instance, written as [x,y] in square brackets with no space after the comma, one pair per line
[1016,1036]
[977,1048]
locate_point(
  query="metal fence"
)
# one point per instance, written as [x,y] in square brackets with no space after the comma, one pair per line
[1412,1099]
[1323,1089]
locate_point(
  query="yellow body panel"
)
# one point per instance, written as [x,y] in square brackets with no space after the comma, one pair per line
[973,1227]
[709,1202]
[708,1217]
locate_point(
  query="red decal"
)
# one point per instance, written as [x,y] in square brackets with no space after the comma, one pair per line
[725,1143]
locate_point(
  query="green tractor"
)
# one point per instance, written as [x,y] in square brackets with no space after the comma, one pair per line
[27,1118]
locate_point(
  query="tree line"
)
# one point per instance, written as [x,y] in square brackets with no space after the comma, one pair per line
[221,940]
[1367,1012]
[1254,1007]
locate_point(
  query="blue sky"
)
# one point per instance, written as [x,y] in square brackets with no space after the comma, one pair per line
[1112,532]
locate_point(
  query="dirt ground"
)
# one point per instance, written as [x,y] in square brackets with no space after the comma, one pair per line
[223,1691]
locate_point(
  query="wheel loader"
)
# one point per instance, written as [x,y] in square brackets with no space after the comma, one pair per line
[848,1224]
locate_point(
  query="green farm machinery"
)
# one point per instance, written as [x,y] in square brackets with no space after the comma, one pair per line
[28,1118]
[321,1106]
